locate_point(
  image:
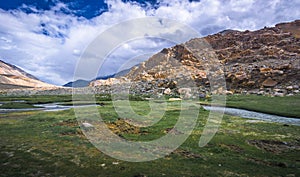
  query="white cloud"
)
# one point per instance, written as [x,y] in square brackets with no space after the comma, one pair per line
[48,43]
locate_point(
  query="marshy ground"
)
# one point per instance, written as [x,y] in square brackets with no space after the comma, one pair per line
[37,143]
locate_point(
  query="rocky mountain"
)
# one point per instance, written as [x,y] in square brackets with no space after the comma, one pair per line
[12,77]
[266,61]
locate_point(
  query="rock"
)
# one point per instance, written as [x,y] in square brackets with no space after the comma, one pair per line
[278,94]
[265,70]
[167,91]
[261,92]
[185,93]
[296,87]
[269,82]
[251,83]
[255,91]
[285,66]
[289,87]
[175,99]
[110,81]
[228,92]
[87,125]
[277,72]
[240,75]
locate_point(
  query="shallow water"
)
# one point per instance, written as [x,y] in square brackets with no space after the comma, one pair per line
[254,115]
[231,111]
[44,107]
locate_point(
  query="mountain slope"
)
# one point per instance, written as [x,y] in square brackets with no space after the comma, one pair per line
[14,77]
[77,83]
[265,61]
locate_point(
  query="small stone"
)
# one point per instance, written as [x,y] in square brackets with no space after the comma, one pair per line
[260,93]
[87,125]
[277,72]
[279,94]
[265,70]
[167,91]
[229,92]
[289,87]
[296,87]
[103,165]
[269,82]
[251,83]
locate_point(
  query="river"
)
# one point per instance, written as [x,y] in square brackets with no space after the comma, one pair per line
[254,115]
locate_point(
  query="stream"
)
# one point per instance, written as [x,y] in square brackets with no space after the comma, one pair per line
[44,107]
[231,111]
[254,115]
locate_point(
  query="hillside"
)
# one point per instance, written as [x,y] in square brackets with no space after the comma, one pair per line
[12,77]
[265,61]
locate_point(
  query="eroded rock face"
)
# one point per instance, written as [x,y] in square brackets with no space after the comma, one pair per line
[251,60]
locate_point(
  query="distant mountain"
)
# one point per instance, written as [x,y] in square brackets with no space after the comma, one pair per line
[14,77]
[77,83]
[85,83]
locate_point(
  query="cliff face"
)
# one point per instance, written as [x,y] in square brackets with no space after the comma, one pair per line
[13,77]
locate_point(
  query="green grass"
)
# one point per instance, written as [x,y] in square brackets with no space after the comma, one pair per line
[17,105]
[37,99]
[284,106]
[52,144]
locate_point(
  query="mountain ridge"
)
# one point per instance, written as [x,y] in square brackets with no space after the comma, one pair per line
[264,61]
[12,77]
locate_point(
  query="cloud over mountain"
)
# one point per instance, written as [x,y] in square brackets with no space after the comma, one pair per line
[48,42]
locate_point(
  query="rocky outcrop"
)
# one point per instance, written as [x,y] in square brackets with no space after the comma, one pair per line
[12,77]
[257,62]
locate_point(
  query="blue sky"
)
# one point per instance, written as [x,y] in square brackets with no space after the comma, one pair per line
[47,37]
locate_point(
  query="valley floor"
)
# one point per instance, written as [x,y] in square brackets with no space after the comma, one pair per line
[38,143]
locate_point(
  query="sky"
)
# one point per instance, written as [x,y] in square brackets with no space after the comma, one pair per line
[46,38]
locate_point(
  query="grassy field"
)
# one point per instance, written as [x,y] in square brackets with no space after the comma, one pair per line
[285,106]
[52,144]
